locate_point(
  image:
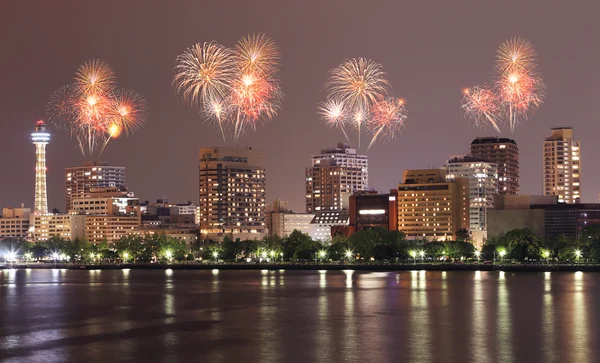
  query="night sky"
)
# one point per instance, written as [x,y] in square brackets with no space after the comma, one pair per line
[430,50]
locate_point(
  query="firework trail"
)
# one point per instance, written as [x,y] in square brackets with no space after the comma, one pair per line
[333,114]
[358,96]
[481,104]
[387,117]
[517,87]
[238,88]
[93,111]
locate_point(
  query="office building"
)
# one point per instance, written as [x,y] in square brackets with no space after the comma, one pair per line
[370,210]
[106,201]
[110,228]
[80,180]
[232,193]
[282,224]
[40,139]
[505,154]
[562,166]
[431,207]
[325,222]
[483,185]
[543,215]
[333,176]
[67,226]
[15,222]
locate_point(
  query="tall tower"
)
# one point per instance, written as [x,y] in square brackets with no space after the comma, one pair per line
[561,165]
[40,139]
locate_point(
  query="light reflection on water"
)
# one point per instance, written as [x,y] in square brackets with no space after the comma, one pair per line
[274,315]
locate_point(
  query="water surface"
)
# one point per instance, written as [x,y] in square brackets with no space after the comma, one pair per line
[298,316]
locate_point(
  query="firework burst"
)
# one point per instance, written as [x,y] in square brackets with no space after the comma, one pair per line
[387,117]
[518,90]
[481,104]
[93,111]
[238,88]
[358,97]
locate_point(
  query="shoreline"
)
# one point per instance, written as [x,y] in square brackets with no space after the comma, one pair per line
[314,267]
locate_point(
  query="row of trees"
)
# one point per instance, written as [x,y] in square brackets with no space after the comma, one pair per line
[363,246]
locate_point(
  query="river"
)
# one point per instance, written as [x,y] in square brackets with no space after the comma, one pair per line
[298,316]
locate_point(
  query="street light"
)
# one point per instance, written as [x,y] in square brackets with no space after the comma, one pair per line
[216,256]
[322,254]
[413,254]
[477,254]
[546,255]
[502,254]
[125,256]
[169,254]
[422,254]
[28,256]
[577,254]
[349,254]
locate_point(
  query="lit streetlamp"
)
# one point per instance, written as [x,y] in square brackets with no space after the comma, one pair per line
[349,254]
[125,256]
[477,254]
[422,254]
[577,255]
[322,254]
[546,255]
[169,255]
[216,256]
[413,254]
[502,253]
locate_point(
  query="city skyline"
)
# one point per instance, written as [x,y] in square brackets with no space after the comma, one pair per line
[425,76]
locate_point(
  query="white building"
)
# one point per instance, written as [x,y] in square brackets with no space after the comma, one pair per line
[15,222]
[334,175]
[562,166]
[323,222]
[283,224]
[483,185]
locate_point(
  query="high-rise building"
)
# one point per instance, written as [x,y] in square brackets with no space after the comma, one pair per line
[232,192]
[504,153]
[483,185]
[561,165]
[40,139]
[333,176]
[80,180]
[431,207]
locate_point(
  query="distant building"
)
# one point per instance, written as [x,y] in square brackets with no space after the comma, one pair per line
[106,201]
[80,180]
[110,228]
[544,215]
[562,166]
[505,154]
[67,226]
[282,224]
[323,224]
[370,210]
[483,185]
[333,176]
[430,207]
[15,222]
[187,235]
[232,193]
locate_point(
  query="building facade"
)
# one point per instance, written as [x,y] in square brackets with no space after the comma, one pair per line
[505,154]
[282,224]
[15,222]
[333,176]
[232,193]
[67,226]
[323,223]
[80,180]
[431,207]
[562,166]
[483,185]
[110,228]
